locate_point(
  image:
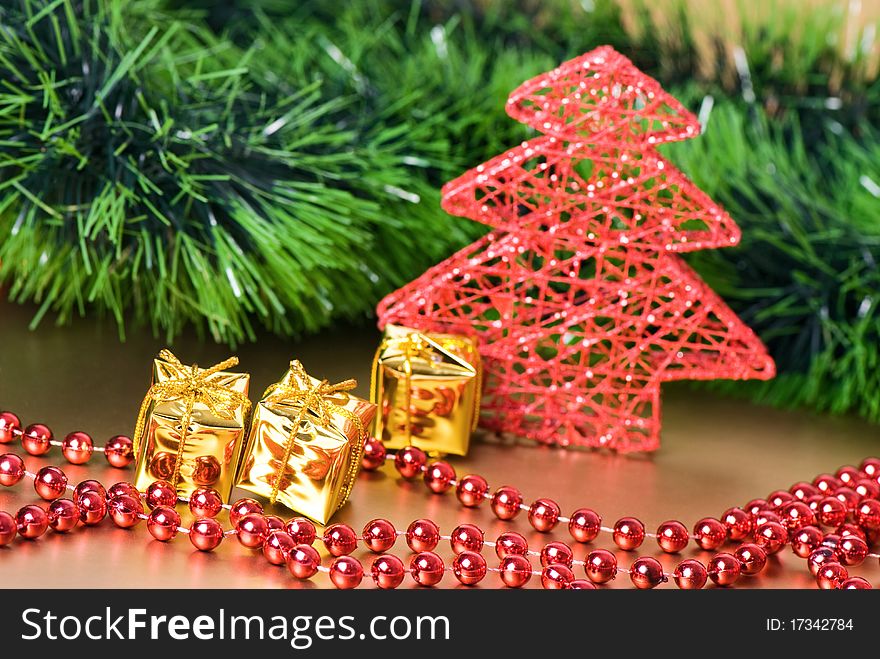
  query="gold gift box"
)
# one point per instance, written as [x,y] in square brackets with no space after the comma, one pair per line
[305,444]
[427,388]
[191,426]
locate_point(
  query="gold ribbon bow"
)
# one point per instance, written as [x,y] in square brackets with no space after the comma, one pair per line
[414,346]
[194,385]
[297,387]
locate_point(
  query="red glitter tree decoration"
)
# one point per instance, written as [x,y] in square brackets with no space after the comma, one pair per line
[577,297]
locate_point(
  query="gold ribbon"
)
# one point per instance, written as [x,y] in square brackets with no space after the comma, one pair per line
[297,387]
[194,385]
[415,346]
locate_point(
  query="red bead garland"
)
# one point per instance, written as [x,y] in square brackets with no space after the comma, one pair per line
[77,447]
[792,515]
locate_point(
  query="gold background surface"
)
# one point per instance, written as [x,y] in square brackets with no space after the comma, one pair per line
[715,453]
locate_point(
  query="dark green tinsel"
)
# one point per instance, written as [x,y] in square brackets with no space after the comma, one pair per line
[267,163]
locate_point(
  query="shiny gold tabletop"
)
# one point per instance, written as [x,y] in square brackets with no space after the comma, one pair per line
[715,453]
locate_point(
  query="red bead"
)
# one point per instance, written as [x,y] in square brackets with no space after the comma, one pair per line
[340,539]
[779,497]
[31,522]
[301,530]
[584,525]
[739,524]
[855,583]
[813,502]
[277,546]
[379,535]
[802,490]
[600,566]
[346,572]
[646,572]
[544,515]
[374,454]
[89,486]
[439,476]
[820,557]
[77,447]
[506,502]
[515,570]
[471,490]
[161,493]
[426,568]
[120,488]
[119,451]
[50,483]
[850,529]
[303,561]
[832,512]
[557,553]
[92,507]
[869,466]
[848,474]
[866,489]
[511,543]
[751,557]
[826,483]
[771,537]
[387,571]
[206,534]
[466,537]
[36,438]
[852,551]
[556,577]
[205,502]
[672,536]
[848,496]
[252,530]
[469,568]
[410,461]
[831,576]
[831,540]
[8,528]
[422,535]
[709,533]
[867,514]
[690,575]
[244,507]
[766,516]
[795,514]
[755,506]
[163,523]
[805,540]
[125,510]
[10,425]
[274,523]
[63,515]
[724,569]
[11,469]
[582,584]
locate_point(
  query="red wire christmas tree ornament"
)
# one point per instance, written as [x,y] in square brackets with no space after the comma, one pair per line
[577,297]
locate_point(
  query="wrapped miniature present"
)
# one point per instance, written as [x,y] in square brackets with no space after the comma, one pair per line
[305,444]
[427,387]
[191,426]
